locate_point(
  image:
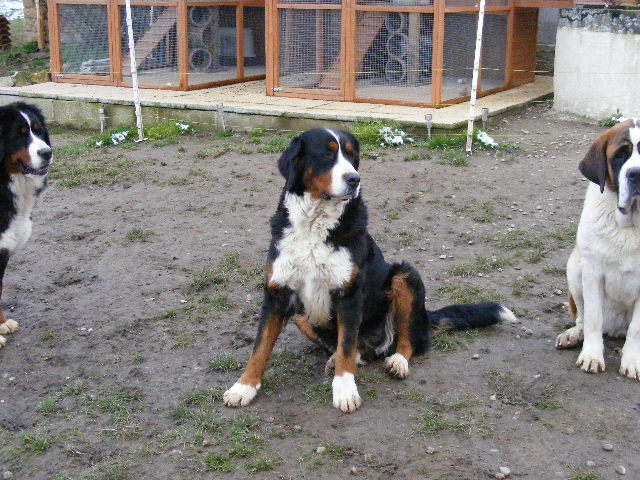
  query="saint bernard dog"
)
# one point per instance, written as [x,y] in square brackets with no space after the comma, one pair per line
[25,153]
[603,271]
[327,275]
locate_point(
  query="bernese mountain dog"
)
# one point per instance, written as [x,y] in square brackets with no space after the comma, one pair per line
[327,275]
[25,152]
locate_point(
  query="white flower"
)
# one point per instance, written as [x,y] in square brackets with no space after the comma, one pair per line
[99,144]
[119,137]
[183,127]
[485,139]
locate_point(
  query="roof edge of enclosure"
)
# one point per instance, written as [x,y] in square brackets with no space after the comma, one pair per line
[403,52]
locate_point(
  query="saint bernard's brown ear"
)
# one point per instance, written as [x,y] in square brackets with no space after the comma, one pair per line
[594,165]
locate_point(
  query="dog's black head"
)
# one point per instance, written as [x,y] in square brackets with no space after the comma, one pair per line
[324,163]
[25,147]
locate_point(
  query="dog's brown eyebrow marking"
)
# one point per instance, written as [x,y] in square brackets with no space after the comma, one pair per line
[348,148]
[333,146]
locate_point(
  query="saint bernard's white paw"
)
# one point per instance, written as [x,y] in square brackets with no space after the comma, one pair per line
[591,359]
[240,395]
[630,363]
[397,365]
[3,341]
[570,338]
[9,326]
[345,393]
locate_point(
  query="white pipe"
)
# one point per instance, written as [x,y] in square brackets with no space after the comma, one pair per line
[474,80]
[134,71]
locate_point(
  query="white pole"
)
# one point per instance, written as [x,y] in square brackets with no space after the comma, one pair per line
[474,81]
[134,71]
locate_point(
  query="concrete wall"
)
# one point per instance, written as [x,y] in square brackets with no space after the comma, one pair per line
[597,72]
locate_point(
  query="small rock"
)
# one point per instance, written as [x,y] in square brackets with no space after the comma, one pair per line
[528,331]
[321,450]
[518,336]
[297,428]
[7,475]
[607,446]
[621,470]
[430,450]
[505,471]
[493,397]
[591,464]
[353,471]
[558,292]
[500,476]
[475,356]
[206,443]
[271,420]
[442,257]
[368,459]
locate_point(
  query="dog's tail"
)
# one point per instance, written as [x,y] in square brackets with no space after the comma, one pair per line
[464,317]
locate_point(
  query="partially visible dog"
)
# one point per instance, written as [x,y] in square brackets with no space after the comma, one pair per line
[603,271]
[25,156]
[326,274]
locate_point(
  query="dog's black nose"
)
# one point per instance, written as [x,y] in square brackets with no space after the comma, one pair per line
[45,154]
[633,174]
[352,179]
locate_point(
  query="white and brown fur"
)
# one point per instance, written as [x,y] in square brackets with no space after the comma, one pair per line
[603,271]
[327,275]
[25,156]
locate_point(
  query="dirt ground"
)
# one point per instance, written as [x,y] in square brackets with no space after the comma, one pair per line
[138,294]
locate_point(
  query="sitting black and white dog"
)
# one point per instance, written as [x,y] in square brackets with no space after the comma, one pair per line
[326,274]
[25,153]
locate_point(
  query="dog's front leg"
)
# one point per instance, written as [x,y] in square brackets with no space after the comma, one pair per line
[591,358]
[349,316]
[272,315]
[6,326]
[630,362]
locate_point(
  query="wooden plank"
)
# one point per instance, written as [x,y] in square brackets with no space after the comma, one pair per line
[437,54]
[394,8]
[239,41]
[271,52]
[349,61]
[523,53]
[183,45]
[54,41]
[115,43]
[508,64]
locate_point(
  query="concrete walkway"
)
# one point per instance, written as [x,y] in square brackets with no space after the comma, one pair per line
[246,106]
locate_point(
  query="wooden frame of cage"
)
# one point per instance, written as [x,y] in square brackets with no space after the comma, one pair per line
[520,54]
[115,76]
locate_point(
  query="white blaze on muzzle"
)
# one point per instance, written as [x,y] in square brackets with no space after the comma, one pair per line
[627,194]
[340,172]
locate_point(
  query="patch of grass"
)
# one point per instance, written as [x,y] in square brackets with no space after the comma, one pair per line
[481,212]
[36,442]
[455,157]
[186,339]
[416,156]
[479,265]
[466,294]
[444,142]
[263,464]
[431,422]
[120,404]
[448,340]
[368,133]
[117,470]
[49,404]
[522,285]
[201,397]
[137,359]
[137,235]
[225,363]
[337,451]
[520,239]
[406,238]
[585,476]
[164,142]
[221,303]
[274,145]
[546,399]
[611,121]
[554,270]
[228,268]
[166,130]
[218,463]
[258,132]
[412,394]
[46,336]
[318,393]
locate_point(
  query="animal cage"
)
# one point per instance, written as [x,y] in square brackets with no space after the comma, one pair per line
[179,44]
[407,52]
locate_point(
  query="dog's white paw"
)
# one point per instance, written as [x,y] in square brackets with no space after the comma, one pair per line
[591,360]
[345,393]
[570,338]
[3,341]
[240,395]
[397,365]
[630,364]
[9,326]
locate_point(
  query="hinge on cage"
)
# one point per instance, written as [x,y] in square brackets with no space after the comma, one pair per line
[277,89]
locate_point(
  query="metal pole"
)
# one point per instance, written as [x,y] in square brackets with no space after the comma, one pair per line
[134,71]
[474,81]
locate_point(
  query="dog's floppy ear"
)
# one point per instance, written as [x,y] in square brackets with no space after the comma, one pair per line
[594,165]
[290,164]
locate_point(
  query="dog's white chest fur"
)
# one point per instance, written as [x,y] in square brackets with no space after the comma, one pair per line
[306,263]
[24,189]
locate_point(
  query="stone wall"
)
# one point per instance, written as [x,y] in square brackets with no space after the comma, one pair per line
[30,23]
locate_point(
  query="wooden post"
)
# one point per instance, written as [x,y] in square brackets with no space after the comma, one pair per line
[54,41]
[183,45]
[437,56]
[40,26]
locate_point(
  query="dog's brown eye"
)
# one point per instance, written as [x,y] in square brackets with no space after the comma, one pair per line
[36,127]
[24,130]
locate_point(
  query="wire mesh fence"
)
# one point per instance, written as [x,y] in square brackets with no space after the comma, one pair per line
[394,53]
[84,40]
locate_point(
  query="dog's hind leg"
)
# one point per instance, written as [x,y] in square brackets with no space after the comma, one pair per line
[406,307]
[274,307]
[6,325]
[573,336]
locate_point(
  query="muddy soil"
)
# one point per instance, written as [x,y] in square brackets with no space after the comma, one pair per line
[138,294]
